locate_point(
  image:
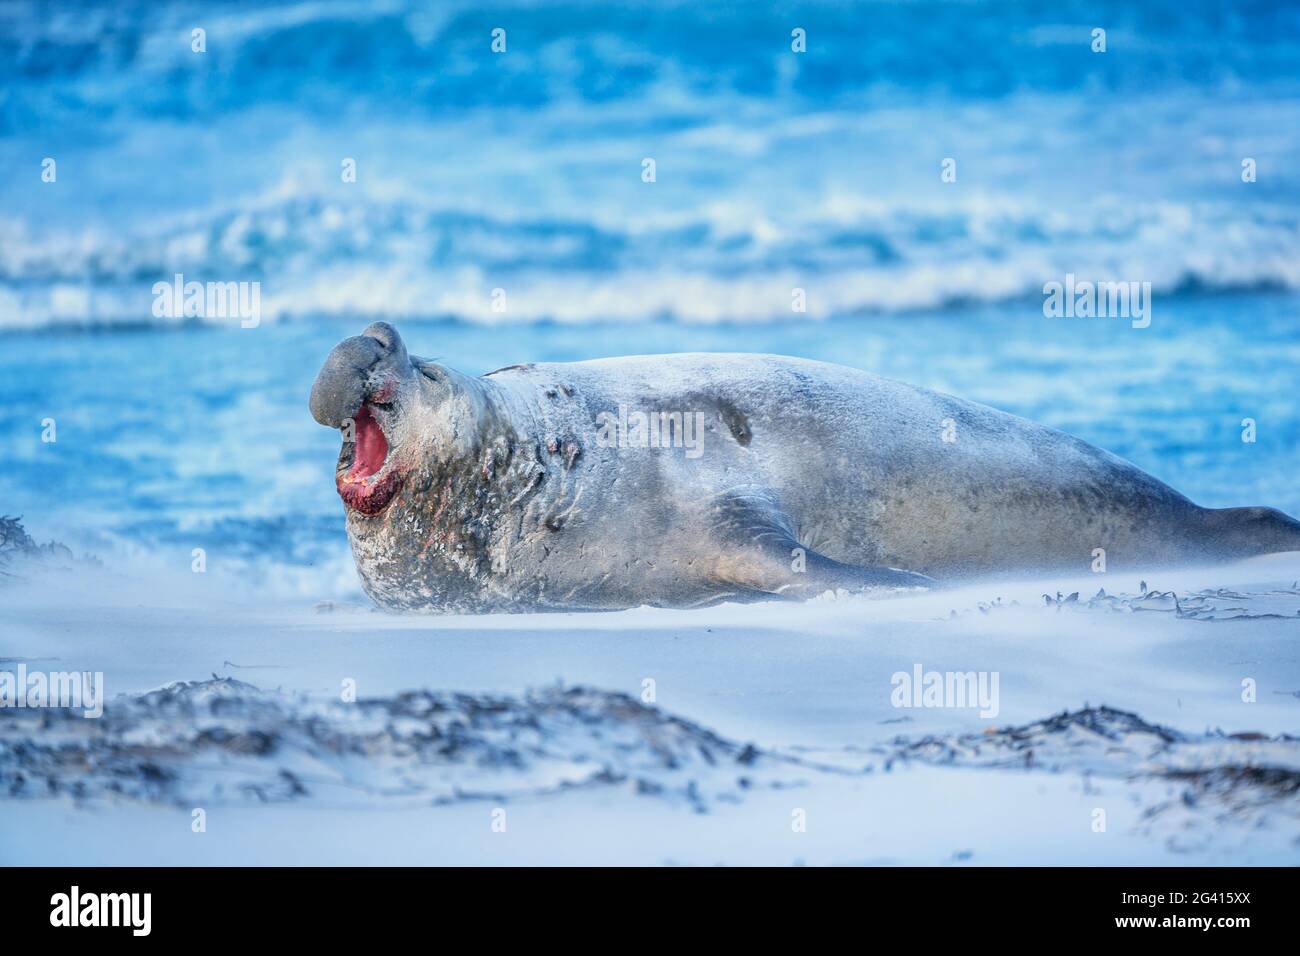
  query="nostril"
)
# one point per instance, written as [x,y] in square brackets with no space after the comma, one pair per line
[383,333]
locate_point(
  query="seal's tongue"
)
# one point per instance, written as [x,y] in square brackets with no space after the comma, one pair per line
[371,447]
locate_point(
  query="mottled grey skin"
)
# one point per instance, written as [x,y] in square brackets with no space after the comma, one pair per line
[812,477]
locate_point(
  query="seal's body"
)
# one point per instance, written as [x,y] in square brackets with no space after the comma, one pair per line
[680,480]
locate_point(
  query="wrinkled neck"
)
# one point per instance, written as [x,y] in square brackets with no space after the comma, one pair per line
[496,411]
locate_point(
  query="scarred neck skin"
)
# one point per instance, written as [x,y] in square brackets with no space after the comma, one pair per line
[464,477]
[446,478]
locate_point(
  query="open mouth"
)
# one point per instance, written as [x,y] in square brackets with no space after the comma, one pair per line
[365,481]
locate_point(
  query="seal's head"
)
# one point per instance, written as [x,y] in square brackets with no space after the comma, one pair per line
[366,389]
[429,459]
[405,420]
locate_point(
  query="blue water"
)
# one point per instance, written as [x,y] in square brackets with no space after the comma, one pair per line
[522,172]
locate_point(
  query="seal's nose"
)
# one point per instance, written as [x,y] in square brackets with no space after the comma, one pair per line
[340,388]
[341,383]
[387,336]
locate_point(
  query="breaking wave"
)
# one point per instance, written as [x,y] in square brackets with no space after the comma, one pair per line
[316,256]
[524,171]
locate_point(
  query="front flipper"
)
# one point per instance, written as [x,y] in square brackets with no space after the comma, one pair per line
[761,553]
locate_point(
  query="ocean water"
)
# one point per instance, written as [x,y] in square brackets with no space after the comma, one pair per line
[523,172]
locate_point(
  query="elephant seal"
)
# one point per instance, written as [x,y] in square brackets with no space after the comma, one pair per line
[682,480]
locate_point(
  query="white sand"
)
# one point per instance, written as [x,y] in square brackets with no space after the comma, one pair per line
[783,676]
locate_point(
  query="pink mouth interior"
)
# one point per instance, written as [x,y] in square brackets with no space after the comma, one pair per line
[372,447]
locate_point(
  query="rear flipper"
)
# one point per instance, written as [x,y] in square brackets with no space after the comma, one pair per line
[1246,532]
[760,553]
